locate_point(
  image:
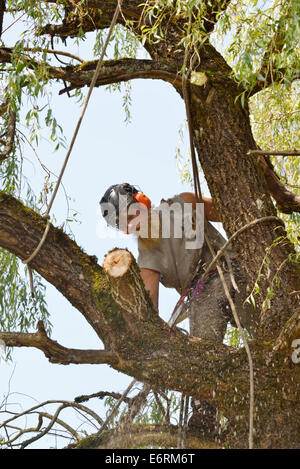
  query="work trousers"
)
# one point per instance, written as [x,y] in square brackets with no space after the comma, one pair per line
[209,317]
[211,311]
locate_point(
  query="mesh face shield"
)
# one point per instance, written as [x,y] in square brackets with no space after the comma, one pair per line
[115,202]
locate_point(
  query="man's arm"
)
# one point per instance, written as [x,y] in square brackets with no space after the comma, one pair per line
[210,211]
[151,281]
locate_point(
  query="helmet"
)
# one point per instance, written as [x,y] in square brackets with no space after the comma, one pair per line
[116,198]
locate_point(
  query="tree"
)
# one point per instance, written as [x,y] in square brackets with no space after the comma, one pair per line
[178,38]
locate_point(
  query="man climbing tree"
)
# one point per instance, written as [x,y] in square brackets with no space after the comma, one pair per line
[179,39]
[171,256]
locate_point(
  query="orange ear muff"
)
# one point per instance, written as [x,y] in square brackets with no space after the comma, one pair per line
[142,199]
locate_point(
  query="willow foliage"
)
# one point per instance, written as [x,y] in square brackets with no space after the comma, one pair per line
[259,39]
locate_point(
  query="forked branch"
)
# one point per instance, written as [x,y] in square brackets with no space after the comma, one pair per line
[55,352]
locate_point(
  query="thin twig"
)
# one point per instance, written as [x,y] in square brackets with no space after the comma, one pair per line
[142,14]
[168,404]
[180,426]
[235,235]
[282,116]
[74,405]
[37,428]
[101,395]
[116,406]
[14,22]
[160,405]
[46,430]
[47,171]
[275,153]
[31,284]
[63,424]
[135,406]
[50,51]
[183,418]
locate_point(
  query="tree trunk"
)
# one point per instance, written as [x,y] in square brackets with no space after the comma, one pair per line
[113,298]
[222,136]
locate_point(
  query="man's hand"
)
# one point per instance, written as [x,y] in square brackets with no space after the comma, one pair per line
[210,211]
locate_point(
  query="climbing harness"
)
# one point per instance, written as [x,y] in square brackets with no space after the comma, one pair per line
[191,293]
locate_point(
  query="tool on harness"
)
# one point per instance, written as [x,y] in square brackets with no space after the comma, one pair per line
[192,293]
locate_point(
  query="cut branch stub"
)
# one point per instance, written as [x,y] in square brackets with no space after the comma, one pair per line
[117,263]
[127,286]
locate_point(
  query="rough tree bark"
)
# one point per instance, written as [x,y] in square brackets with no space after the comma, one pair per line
[137,342]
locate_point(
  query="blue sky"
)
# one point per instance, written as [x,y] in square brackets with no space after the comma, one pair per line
[107,151]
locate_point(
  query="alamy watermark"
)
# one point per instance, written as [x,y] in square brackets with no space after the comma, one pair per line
[178,220]
[296,352]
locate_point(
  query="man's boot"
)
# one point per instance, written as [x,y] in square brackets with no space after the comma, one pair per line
[204,418]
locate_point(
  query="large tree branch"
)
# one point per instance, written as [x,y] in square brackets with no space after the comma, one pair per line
[98,15]
[72,27]
[119,309]
[112,71]
[115,71]
[121,313]
[287,201]
[91,16]
[118,70]
[60,261]
[79,278]
[55,352]
[127,69]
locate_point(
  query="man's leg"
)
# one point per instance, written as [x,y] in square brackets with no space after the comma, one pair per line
[209,316]
[208,320]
